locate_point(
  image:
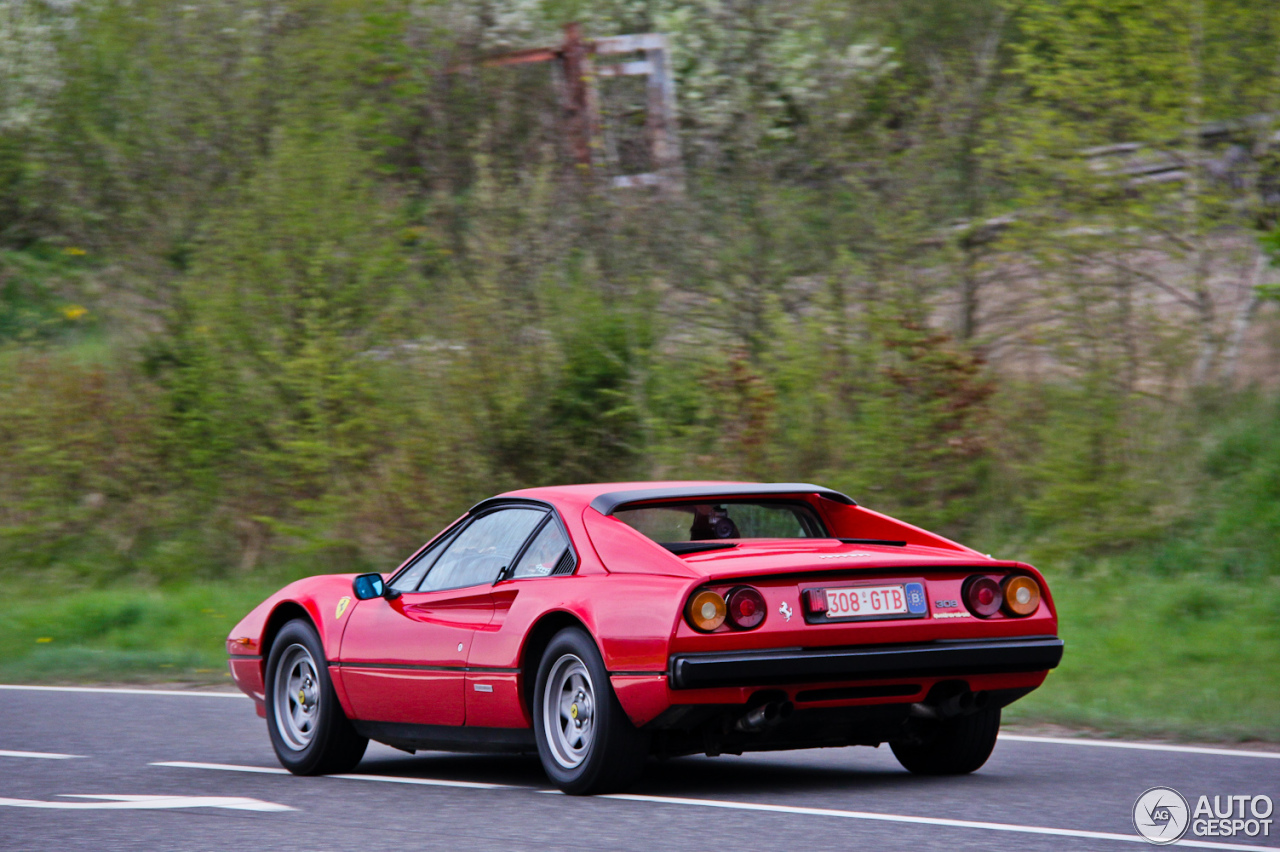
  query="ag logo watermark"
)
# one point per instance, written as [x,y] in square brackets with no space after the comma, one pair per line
[1161,815]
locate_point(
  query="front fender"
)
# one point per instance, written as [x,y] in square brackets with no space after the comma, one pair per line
[319,599]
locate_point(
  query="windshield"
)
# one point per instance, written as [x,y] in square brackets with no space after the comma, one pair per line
[723,520]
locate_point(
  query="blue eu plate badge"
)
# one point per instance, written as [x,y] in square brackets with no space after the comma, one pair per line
[916,604]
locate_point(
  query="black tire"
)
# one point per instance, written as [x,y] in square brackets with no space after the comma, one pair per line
[613,752]
[324,742]
[955,747]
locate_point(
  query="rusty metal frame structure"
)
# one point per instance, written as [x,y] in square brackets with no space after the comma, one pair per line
[575,58]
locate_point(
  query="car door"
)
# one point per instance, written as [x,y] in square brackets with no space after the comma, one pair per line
[493,690]
[404,660]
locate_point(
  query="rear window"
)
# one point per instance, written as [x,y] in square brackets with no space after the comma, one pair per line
[723,520]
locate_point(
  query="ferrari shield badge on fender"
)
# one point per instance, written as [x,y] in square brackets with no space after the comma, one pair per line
[342,607]
[785,610]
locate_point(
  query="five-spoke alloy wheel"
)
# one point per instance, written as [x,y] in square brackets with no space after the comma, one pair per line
[310,733]
[585,740]
[297,699]
[569,700]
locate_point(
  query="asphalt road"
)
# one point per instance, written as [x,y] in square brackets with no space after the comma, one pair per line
[196,772]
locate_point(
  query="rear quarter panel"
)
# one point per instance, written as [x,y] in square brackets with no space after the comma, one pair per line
[632,618]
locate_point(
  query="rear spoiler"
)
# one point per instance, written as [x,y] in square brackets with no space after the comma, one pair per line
[607,503]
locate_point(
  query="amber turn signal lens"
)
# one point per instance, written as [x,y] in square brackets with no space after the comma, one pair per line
[706,611]
[982,596]
[1021,595]
[746,608]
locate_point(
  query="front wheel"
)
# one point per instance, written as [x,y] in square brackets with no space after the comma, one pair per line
[955,747]
[309,731]
[585,740]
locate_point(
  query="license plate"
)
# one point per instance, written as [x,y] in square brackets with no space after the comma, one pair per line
[866,601]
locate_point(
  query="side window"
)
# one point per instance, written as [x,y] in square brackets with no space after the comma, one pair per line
[482,549]
[408,580]
[544,553]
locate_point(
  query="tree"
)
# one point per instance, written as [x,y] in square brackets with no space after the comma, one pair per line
[1113,145]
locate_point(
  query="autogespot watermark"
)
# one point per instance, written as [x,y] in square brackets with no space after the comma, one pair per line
[1161,815]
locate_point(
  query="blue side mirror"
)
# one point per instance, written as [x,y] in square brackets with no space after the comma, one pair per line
[367,586]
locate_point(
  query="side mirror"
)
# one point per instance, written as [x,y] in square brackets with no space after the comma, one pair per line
[367,586]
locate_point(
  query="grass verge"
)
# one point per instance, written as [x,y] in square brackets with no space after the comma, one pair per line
[1186,656]
[122,634]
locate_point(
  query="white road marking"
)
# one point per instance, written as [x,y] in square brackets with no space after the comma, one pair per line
[752,806]
[228,767]
[43,755]
[388,779]
[918,820]
[146,803]
[1228,752]
[429,782]
[122,691]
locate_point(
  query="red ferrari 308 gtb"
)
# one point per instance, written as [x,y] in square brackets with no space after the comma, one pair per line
[600,624]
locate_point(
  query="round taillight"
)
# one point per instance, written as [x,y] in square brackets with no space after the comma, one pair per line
[982,596]
[746,608]
[706,611]
[1021,595]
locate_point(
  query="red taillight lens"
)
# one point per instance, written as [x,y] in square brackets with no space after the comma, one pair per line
[746,608]
[816,601]
[982,596]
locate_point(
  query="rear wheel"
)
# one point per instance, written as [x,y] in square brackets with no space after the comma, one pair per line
[954,747]
[585,740]
[309,731]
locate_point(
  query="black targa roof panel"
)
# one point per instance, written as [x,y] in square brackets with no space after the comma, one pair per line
[606,503]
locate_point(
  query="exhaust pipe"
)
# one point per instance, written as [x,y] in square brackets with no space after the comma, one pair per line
[920,710]
[764,716]
[961,704]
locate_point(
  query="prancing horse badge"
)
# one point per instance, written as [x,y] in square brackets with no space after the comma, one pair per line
[785,610]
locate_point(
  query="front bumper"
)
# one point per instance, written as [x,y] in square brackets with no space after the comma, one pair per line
[943,658]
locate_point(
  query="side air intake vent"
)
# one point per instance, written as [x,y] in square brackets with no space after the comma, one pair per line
[565,565]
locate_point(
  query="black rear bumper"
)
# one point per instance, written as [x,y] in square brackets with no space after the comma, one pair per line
[943,658]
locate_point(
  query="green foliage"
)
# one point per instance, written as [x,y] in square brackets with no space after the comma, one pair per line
[1190,655]
[41,295]
[1116,95]
[271,368]
[78,466]
[121,634]
[1114,70]
[927,425]
[279,293]
[1245,469]
[1271,243]
[594,409]
[907,424]
[1090,484]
